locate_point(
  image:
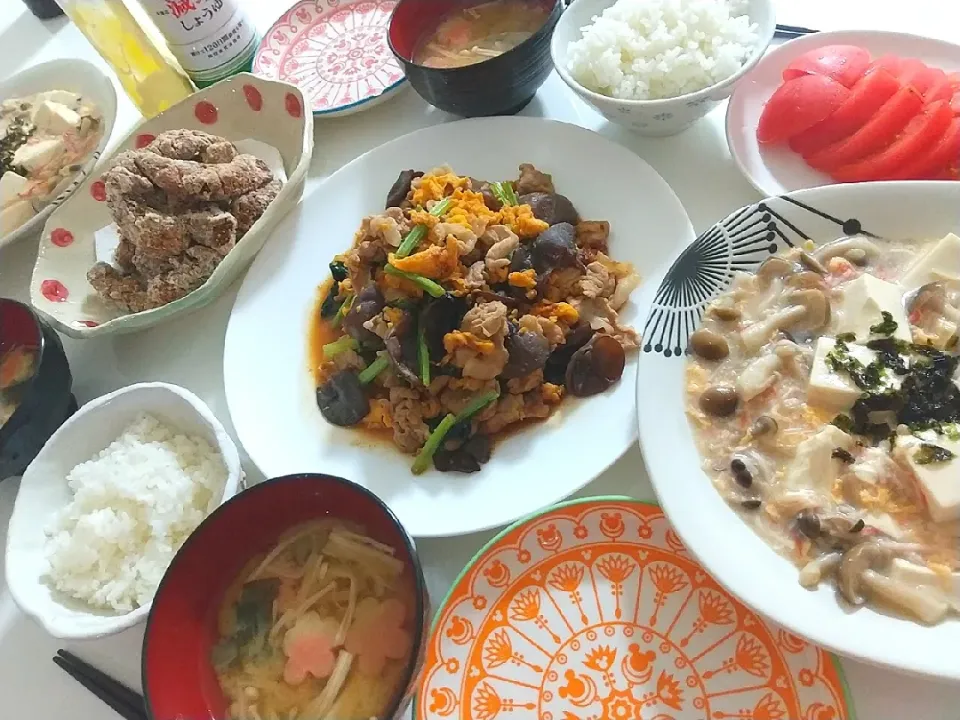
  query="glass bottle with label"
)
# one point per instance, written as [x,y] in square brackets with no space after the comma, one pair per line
[135,51]
[212,39]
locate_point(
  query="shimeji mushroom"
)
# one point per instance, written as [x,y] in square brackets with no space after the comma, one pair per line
[857,250]
[806,310]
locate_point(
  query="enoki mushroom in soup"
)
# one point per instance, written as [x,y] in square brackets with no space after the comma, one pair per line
[824,395]
[318,627]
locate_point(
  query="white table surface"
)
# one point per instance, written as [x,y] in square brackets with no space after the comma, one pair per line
[189,352]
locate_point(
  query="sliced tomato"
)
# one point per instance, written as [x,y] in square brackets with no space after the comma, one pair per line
[797,105]
[939,87]
[866,98]
[844,63]
[954,79]
[876,134]
[890,63]
[915,72]
[930,163]
[920,133]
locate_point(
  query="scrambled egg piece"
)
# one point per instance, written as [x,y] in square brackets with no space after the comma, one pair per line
[388,283]
[465,206]
[345,287]
[435,262]
[551,394]
[379,416]
[523,279]
[436,187]
[558,312]
[521,220]
[457,339]
[422,217]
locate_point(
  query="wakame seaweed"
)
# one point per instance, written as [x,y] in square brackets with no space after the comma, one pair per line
[887,325]
[330,305]
[930,453]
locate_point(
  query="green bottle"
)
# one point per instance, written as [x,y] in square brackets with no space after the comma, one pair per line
[212,39]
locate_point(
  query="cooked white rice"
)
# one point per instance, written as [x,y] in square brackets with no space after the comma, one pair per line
[655,49]
[134,505]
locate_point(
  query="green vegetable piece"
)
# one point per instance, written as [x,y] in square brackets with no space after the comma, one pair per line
[415,236]
[510,193]
[426,284]
[929,454]
[339,271]
[369,373]
[423,353]
[340,345]
[342,311]
[254,609]
[887,326]
[435,440]
[223,654]
[843,422]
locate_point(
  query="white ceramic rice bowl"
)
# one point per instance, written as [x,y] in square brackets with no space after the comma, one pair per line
[655,118]
[44,491]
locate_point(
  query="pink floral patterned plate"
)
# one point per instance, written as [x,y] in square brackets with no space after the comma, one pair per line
[594,610]
[336,52]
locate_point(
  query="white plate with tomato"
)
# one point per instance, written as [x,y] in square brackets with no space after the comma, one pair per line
[851,106]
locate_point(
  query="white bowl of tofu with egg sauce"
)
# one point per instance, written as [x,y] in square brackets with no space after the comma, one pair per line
[55,121]
[799,413]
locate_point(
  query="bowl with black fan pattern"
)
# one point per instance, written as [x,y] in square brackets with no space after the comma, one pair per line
[906,217]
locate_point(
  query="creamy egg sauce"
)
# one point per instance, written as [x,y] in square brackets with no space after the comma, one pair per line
[824,395]
[44,141]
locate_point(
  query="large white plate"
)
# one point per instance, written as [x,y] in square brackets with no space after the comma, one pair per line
[777,170]
[270,391]
[724,544]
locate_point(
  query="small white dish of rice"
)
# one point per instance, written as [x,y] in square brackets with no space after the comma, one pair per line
[658,66]
[107,503]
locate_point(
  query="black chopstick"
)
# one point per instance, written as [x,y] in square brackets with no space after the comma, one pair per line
[127,703]
[789,32]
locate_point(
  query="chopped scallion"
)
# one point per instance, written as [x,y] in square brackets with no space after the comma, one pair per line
[342,311]
[415,236]
[435,440]
[423,353]
[426,284]
[331,350]
[369,373]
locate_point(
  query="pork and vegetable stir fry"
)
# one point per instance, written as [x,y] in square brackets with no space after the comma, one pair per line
[466,308]
[824,395]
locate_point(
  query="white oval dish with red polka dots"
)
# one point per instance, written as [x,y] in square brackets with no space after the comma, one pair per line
[241,108]
[336,52]
[595,609]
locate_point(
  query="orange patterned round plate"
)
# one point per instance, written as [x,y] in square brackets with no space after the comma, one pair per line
[594,610]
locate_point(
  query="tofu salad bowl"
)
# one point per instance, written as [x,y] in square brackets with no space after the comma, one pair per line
[55,121]
[799,411]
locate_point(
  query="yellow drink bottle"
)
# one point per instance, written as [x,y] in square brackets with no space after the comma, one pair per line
[134,50]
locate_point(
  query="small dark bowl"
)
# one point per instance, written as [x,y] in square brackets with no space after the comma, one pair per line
[499,86]
[46,401]
[178,678]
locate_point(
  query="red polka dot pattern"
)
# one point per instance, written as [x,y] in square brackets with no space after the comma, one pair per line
[206,112]
[54,290]
[254,98]
[98,190]
[294,108]
[61,237]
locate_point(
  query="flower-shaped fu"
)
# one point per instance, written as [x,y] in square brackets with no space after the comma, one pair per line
[377,634]
[308,646]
